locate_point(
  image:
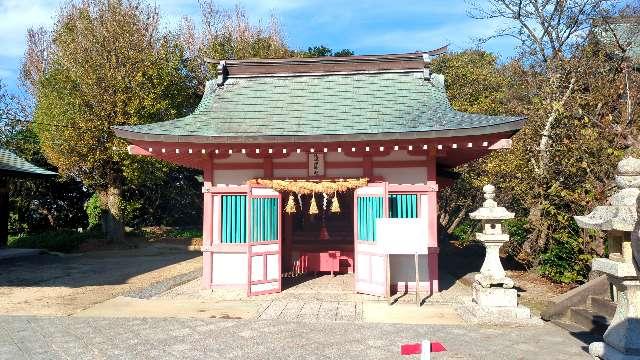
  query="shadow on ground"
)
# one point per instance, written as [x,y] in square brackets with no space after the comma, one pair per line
[89,269]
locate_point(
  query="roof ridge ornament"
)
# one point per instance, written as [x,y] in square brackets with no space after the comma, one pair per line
[222,72]
[426,72]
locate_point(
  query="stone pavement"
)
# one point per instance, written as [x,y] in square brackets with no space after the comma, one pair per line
[312,299]
[24,337]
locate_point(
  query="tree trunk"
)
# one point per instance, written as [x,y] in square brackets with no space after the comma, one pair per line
[546,132]
[461,215]
[113,220]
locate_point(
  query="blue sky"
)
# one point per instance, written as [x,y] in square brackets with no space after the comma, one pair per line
[366,27]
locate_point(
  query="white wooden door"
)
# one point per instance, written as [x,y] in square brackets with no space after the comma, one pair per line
[264,242]
[370,262]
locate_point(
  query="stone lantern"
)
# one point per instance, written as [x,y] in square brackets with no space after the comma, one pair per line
[620,219]
[492,290]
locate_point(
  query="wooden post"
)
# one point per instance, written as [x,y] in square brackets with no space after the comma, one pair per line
[4,212]
[417,264]
[387,288]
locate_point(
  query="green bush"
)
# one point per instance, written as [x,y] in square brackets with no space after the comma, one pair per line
[518,230]
[185,233]
[94,211]
[61,240]
[565,261]
[465,231]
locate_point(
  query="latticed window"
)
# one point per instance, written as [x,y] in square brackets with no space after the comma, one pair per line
[370,208]
[264,219]
[234,219]
[403,206]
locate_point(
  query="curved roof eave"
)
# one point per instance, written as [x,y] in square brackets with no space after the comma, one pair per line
[511,126]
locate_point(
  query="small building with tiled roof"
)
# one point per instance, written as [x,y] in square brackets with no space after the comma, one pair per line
[323,164]
[11,165]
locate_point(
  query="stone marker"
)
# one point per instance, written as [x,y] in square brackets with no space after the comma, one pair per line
[493,293]
[620,219]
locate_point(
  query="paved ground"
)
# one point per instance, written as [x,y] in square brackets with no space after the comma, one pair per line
[312,299]
[142,303]
[63,285]
[117,338]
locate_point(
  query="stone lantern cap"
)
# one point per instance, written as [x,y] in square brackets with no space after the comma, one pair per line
[620,213]
[490,209]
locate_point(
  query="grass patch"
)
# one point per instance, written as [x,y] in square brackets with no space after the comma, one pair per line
[184,233]
[59,240]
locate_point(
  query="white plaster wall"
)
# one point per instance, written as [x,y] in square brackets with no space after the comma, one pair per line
[424,213]
[216,220]
[424,206]
[289,173]
[235,177]
[399,155]
[340,156]
[238,157]
[293,157]
[343,173]
[417,175]
[229,269]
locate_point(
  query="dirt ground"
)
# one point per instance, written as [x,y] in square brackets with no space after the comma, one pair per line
[534,291]
[64,285]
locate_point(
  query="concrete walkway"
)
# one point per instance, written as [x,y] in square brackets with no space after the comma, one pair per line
[164,338]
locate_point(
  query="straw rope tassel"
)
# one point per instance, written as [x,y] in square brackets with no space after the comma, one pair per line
[291,205]
[335,205]
[313,208]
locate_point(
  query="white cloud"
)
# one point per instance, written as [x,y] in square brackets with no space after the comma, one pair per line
[460,34]
[16,16]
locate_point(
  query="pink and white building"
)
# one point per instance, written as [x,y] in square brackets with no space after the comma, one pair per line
[381,121]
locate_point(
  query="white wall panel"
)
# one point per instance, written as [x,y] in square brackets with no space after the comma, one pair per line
[229,269]
[402,175]
[293,157]
[400,155]
[290,173]
[236,177]
[343,173]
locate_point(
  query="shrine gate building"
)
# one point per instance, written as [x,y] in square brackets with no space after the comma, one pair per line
[302,156]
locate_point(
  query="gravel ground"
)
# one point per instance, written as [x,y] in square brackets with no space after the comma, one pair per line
[312,288]
[64,285]
[165,285]
[158,338]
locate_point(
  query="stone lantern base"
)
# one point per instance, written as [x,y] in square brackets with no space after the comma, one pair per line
[622,338]
[497,305]
[494,296]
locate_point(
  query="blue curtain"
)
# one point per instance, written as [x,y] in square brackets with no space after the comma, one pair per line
[234,219]
[264,219]
[370,208]
[403,206]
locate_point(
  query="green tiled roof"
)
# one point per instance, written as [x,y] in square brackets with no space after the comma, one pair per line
[626,32]
[330,105]
[12,164]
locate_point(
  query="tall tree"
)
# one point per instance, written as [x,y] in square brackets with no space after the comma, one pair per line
[105,63]
[547,30]
[569,83]
[228,34]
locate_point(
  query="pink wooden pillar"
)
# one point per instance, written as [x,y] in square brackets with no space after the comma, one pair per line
[432,224]
[207,226]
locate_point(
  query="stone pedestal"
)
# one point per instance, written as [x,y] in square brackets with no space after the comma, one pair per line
[495,296]
[622,338]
